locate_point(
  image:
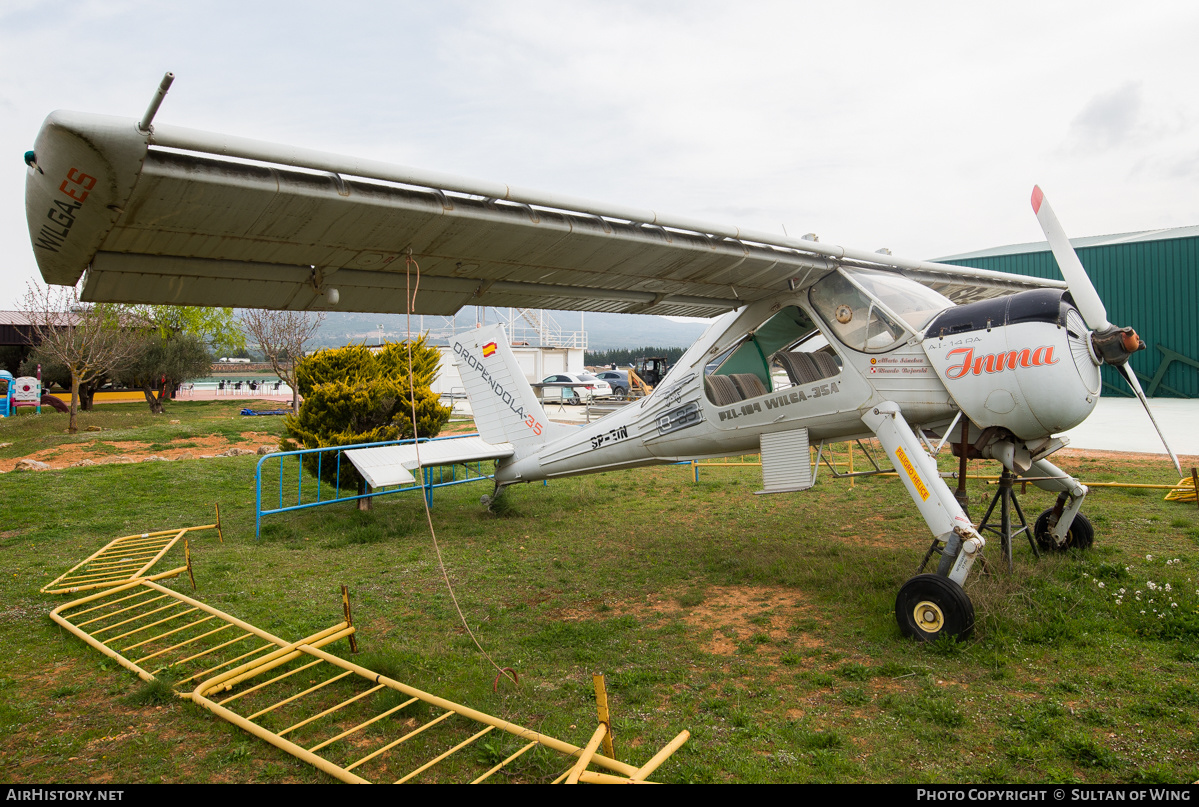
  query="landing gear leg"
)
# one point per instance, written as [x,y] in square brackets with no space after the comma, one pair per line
[1054,529]
[926,609]
[488,501]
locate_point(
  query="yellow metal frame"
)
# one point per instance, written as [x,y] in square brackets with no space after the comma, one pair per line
[174,631]
[1184,491]
[123,559]
[152,630]
[330,727]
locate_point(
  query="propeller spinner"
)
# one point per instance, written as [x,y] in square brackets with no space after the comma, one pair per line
[1113,345]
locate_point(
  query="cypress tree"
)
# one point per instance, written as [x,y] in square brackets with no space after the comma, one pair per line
[358,395]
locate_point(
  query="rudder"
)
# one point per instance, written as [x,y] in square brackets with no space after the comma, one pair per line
[505,408]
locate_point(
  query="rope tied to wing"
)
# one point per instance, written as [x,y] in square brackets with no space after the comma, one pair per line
[410,305]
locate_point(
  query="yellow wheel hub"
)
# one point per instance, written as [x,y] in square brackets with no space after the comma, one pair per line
[928,616]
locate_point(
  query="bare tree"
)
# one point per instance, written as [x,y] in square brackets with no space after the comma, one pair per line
[89,340]
[282,335]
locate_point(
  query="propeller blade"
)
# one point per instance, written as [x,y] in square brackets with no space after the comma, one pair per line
[1081,289]
[1136,387]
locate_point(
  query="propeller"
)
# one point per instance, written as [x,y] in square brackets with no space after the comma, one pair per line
[1114,344]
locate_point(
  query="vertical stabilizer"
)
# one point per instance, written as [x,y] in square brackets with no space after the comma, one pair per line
[506,409]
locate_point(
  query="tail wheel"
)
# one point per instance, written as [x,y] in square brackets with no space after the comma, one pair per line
[1081,534]
[930,606]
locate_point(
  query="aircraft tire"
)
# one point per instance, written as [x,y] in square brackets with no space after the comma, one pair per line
[930,606]
[1081,534]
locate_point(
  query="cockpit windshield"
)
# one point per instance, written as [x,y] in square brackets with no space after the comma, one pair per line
[868,310]
[914,303]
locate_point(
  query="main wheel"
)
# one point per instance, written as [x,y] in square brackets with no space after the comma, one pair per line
[1081,534]
[930,606]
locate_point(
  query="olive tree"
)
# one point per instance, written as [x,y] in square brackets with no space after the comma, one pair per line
[164,362]
[174,346]
[88,340]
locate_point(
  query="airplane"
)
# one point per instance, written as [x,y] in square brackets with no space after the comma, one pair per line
[812,343]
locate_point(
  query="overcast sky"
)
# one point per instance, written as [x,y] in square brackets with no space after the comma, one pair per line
[921,127]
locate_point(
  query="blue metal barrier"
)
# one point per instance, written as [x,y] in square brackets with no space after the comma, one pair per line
[428,474]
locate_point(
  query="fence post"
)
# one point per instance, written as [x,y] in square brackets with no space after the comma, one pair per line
[258,498]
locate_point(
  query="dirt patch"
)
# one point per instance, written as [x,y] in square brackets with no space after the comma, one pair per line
[459,428]
[1127,456]
[120,451]
[760,615]
[747,614]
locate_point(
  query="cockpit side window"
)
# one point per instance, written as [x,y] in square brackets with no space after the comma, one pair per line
[767,359]
[802,361]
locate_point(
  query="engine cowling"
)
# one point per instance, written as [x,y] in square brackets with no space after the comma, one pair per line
[1023,362]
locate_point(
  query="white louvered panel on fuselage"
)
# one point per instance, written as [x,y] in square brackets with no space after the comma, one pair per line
[786,462]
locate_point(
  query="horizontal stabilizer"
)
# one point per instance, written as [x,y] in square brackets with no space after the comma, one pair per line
[392,465]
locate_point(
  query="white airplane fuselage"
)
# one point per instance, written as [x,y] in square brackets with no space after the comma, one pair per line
[1019,377]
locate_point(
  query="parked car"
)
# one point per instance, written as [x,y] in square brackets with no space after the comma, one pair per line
[617,379]
[573,388]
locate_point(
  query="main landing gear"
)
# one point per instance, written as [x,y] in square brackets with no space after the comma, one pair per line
[1080,535]
[930,606]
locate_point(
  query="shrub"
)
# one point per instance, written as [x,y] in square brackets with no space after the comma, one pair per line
[358,395]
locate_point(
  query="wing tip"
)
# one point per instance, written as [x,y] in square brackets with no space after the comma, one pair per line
[1037,197]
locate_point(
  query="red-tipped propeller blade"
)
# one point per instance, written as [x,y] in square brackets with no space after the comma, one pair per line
[1094,313]
[1081,289]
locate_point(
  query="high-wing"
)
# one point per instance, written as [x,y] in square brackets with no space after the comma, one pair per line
[191,218]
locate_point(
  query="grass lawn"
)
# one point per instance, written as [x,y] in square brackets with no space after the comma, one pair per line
[764,625]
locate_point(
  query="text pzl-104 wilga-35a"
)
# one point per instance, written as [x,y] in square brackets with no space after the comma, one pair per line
[813,342]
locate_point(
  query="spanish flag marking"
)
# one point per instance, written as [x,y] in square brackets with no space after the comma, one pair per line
[917,482]
[488,349]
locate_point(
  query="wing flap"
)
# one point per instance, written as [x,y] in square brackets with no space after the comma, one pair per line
[273,227]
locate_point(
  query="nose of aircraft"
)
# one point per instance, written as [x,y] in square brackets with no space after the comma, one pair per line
[1113,345]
